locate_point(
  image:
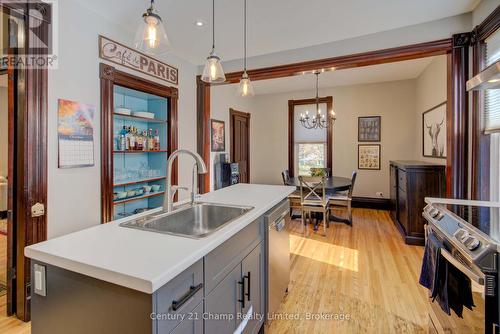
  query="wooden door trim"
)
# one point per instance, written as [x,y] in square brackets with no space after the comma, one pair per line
[234,112]
[109,77]
[28,111]
[407,52]
[291,131]
[203,130]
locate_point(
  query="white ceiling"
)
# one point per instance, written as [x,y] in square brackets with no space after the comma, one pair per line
[275,25]
[403,70]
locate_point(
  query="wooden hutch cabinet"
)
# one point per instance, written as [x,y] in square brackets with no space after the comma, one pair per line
[411,182]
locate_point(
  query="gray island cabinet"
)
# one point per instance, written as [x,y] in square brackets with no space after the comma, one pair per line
[214,295]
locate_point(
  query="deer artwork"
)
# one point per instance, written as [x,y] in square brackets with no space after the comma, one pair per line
[434,130]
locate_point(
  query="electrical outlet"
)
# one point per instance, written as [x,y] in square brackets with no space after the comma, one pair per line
[379,194]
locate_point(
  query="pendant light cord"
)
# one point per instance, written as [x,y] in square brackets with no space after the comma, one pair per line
[213,25]
[245,37]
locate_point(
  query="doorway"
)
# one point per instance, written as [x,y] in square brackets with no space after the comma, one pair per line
[4,164]
[26,150]
[240,142]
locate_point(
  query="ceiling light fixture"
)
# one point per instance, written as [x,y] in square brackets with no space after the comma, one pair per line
[319,120]
[199,23]
[151,36]
[213,72]
[245,88]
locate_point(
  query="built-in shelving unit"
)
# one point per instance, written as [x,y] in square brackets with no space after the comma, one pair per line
[126,170]
[132,165]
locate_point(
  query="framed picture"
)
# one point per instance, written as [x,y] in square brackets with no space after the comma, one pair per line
[369,156]
[218,135]
[434,132]
[369,128]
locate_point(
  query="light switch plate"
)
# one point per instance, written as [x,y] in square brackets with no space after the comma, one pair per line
[40,280]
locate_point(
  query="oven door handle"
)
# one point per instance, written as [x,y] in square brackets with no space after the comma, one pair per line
[479,279]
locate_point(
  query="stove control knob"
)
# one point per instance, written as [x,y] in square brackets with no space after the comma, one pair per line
[435,213]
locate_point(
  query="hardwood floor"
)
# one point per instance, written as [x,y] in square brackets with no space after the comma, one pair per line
[364,272]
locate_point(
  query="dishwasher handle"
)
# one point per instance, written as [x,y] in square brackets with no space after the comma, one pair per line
[279,224]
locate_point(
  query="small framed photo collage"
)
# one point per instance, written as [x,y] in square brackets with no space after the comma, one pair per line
[369,129]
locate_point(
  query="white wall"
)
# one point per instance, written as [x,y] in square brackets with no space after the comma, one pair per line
[4,144]
[221,99]
[74,194]
[482,10]
[431,89]
[394,101]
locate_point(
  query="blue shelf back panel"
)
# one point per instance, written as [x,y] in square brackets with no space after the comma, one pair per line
[140,101]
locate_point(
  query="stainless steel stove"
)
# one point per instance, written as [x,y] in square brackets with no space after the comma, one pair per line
[470,232]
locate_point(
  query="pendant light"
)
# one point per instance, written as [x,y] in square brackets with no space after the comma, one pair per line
[151,36]
[246,88]
[213,72]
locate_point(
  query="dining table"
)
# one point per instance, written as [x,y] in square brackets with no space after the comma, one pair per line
[332,184]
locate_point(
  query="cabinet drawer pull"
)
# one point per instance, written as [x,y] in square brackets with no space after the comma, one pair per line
[242,300]
[177,304]
[248,289]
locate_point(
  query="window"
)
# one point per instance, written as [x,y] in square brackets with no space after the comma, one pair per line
[492,96]
[310,155]
[492,118]
[310,144]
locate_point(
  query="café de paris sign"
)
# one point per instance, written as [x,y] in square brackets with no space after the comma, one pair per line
[128,57]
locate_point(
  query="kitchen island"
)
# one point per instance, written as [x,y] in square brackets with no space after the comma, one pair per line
[109,278]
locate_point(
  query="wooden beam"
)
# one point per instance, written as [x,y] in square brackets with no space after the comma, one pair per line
[383,56]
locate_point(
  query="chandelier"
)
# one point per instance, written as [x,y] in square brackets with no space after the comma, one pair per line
[319,120]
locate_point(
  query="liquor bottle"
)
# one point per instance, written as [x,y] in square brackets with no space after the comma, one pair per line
[157,140]
[127,138]
[131,138]
[144,141]
[123,140]
[139,141]
[151,141]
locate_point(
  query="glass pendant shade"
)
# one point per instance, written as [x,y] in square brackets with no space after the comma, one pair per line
[151,36]
[213,72]
[246,88]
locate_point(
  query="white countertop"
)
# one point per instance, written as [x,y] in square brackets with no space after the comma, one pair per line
[143,260]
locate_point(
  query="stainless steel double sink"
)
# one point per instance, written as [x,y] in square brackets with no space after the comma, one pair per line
[196,221]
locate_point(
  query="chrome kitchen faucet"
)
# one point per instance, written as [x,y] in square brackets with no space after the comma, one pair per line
[201,169]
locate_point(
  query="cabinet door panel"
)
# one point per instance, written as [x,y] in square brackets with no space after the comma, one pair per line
[192,324]
[403,210]
[253,266]
[223,302]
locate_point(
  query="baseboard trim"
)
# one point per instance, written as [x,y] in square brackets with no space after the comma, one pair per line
[371,203]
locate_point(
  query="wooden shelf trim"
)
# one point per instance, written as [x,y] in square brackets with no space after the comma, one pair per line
[139,181]
[139,151]
[139,118]
[136,198]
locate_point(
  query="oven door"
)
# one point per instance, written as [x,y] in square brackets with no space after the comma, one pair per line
[473,321]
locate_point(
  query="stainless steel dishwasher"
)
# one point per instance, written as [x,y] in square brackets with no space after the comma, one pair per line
[277,222]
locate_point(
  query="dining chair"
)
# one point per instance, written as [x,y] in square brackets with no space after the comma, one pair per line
[313,199]
[294,198]
[343,198]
